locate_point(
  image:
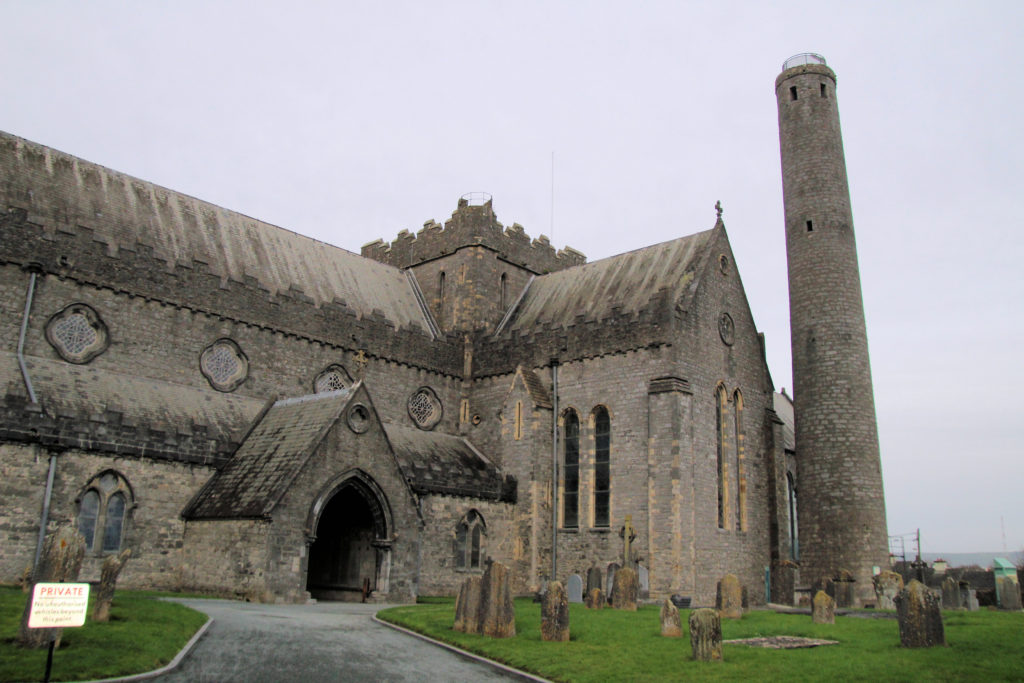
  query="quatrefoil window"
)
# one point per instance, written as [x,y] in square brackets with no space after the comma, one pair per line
[224,365]
[77,333]
[425,408]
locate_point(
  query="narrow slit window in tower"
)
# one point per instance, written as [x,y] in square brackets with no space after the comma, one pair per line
[792,92]
[824,93]
[810,226]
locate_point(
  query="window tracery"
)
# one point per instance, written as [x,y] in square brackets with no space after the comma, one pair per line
[103,511]
[224,365]
[470,536]
[77,333]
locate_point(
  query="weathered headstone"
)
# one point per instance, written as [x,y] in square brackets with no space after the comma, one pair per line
[783,582]
[919,616]
[467,606]
[609,579]
[628,534]
[887,587]
[574,588]
[951,594]
[625,590]
[729,597]
[842,588]
[643,577]
[972,600]
[60,562]
[671,622]
[554,613]
[706,635]
[497,611]
[104,595]
[595,599]
[594,579]
[823,610]
[1008,592]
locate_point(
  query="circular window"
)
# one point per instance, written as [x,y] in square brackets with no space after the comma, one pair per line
[224,365]
[358,418]
[77,333]
[425,408]
[726,329]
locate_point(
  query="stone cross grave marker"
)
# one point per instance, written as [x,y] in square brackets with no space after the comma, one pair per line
[628,534]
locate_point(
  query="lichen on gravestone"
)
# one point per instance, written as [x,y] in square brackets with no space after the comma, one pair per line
[554,613]
[729,597]
[706,635]
[104,595]
[823,610]
[671,622]
[625,589]
[919,616]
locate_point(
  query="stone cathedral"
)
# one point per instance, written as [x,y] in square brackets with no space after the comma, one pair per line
[262,415]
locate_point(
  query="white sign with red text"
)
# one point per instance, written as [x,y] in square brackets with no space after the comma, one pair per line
[58,605]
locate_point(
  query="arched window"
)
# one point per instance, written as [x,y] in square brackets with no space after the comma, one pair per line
[794,529]
[602,466]
[741,474]
[470,535]
[517,427]
[88,513]
[571,470]
[721,408]
[103,511]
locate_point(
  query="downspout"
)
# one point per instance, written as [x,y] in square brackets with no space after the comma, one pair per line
[45,517]
[554,469]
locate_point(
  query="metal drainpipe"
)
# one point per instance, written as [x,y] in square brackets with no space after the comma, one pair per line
[554,469]
[45,517]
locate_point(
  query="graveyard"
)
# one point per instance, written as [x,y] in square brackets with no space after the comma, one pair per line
[623,645]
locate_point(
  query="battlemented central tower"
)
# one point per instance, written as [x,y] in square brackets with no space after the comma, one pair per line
[841,506]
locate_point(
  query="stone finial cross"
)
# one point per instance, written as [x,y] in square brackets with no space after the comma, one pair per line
[361,361]
[718,209]
[628,535]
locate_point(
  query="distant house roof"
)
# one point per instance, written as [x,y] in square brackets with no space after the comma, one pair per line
[269,459]
[783,406]
[184,230]
[446,464]
[626,283]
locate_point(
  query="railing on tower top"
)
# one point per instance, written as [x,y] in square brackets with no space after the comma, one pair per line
[477,198]
[803,58]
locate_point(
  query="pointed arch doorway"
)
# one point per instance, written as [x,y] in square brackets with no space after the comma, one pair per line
[350,543]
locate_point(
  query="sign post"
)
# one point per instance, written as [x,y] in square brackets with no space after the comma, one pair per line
[57,605]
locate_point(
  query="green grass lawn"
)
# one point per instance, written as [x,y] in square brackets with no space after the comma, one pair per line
[610,645]
[143,634]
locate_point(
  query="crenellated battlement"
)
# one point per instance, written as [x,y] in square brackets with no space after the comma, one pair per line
[473,225]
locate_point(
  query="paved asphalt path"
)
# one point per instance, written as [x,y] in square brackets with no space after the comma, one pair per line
[330,641]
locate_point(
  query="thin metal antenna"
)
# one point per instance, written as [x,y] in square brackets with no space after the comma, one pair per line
[552,227]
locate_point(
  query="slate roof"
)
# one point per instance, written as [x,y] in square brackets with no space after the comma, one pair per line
[183,229]
[627,283]
[539,393]
[446,464]
[269,459]
[87,392]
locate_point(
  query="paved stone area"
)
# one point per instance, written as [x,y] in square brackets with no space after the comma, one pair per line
[322,642]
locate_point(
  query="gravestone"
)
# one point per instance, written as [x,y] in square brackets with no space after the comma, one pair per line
[919,616]
[643,577]
[595,598]
[671,622]
[887,587]
[842,589]
[823,610]
[706,635]
[783,582]
[628,534]
[971,602]
[497,612]
[574,588]
[1008,592]
[729,597]
[594,579]
[104,595]
[625,589]
[951,594]
[60,561]
[554,613]
[609,579]
[467,606]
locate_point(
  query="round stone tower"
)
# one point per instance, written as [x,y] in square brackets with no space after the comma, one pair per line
[841,506]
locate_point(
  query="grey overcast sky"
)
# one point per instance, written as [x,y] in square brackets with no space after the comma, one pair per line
[351,121]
